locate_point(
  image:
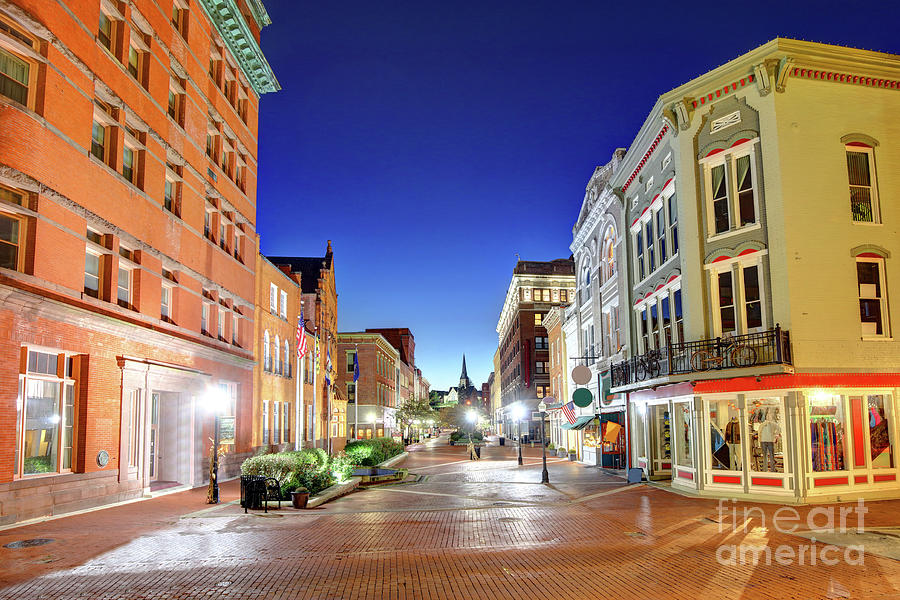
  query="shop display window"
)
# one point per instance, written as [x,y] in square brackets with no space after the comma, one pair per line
[663,437]
[682,429]
[827,432]
[724,435]
[879,432]
[640,414]
[766,419]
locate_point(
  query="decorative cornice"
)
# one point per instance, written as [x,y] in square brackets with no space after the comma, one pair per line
[260,15]
[646,157]
[719,92]
[236,34]
[835,77]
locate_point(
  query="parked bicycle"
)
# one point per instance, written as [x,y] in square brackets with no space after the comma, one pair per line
[647,365]
[734,352]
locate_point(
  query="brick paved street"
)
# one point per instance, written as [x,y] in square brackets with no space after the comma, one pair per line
[464,530]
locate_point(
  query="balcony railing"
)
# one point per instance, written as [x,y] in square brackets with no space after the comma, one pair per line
[752,349]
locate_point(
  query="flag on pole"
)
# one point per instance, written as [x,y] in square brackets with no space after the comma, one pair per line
[301,336]
[328,366]
[317,353]
[569,411]
[356,365]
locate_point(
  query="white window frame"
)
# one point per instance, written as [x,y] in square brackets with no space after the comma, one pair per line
[128,268]
[657,332]
[265,422]
[284,298]
[273,299]
[736,266]
[873,182]
[728,159]
[267,352]
[165,307]
[276,356]
[885,316]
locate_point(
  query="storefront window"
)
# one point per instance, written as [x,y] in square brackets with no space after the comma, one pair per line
[879,433]
[682,429]
[766,416]
[42,418]
[827,426]
[637,438]
[724,435]
[663,437]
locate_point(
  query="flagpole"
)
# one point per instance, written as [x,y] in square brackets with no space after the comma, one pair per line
[315,386]
[329,382]
[298,412]
[356,396]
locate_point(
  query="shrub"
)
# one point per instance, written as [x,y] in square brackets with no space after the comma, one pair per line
[278,465]
[368,453]
[463,436]
[342,466]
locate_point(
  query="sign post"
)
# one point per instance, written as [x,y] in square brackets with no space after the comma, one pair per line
[545,476]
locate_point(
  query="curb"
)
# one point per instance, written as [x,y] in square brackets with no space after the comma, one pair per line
[393,460]
[334,491]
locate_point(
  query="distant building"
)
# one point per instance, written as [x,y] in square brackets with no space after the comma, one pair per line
[325,421]
[372,399]
[465,393]
[535,288]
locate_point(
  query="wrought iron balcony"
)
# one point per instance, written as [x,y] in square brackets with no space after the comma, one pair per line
[752,349]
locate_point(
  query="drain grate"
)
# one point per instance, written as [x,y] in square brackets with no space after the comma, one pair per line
[27,543]
[637,534]
[509,519]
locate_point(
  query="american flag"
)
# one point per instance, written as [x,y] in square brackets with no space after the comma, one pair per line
[301,336]
[569,411]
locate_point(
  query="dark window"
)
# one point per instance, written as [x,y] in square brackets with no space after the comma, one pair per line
[720,199]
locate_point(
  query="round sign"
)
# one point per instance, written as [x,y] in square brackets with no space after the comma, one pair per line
[542,406]
[582,397]
[581,375]
[102,458]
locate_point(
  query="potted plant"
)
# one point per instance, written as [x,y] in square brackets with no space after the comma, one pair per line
[572,454]
[299,497]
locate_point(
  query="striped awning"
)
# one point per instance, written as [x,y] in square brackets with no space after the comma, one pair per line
[580,422]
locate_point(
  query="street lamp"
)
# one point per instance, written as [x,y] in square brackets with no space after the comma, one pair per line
[545,476]
[214,400]
[518,413]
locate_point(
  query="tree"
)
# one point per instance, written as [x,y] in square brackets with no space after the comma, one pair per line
[416,409]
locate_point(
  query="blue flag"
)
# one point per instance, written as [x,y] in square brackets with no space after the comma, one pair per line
[356,366]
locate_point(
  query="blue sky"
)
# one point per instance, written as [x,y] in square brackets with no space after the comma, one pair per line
[432,141]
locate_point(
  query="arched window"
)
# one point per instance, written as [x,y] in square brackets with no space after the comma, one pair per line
[267,355]
[608,259]
[276,365]
[585,291]
[287,357]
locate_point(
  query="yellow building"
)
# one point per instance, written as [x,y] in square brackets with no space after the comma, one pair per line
[762,239]
[275,389]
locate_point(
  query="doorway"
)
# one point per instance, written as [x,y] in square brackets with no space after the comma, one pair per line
[170,440]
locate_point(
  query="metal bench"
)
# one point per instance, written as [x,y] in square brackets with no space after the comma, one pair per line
[257,490]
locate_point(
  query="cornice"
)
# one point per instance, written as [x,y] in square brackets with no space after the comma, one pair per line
[236,34]
[260,15]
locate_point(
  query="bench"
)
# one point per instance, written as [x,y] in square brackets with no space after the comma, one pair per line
[257,490]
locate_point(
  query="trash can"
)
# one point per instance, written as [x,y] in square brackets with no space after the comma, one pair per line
[502,441]
[478,451]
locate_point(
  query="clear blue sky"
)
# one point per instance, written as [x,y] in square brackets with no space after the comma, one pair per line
[431,141]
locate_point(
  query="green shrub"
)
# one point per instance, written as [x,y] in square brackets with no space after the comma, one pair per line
[342,466]
[278,465]
[368,453]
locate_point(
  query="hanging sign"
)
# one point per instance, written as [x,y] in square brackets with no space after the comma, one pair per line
[581,375]
[226,430]
[582,397]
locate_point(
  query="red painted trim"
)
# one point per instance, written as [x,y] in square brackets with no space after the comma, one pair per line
[685,475]
[859,144]
[869,255]
[798,380]
[861,479]
[659,287]
[711,152]
[654,198]
[668,181]
[672,278]
[643,212]
[831,481]
[769,481]
[845,78]
[647,295]
[633,223]
[726,479]
[740,141]
[667,465]
[642,462]
[859,450]
[721,258]
[884,478]
[646,156]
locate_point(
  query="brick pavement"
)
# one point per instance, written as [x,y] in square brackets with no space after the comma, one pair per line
[466,530]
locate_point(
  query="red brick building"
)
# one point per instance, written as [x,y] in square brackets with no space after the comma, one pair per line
[128,205]
[376,389]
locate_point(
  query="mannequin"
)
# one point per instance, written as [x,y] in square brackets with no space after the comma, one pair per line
[768,433]
[733,439]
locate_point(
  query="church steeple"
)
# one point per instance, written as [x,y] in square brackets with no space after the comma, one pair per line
[464,377]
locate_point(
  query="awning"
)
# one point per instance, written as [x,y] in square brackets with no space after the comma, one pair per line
[580,423]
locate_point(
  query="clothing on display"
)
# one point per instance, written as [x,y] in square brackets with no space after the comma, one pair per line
[826,436]
[766,451]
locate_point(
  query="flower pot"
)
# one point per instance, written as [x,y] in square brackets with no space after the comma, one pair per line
[299,499]
[572,457]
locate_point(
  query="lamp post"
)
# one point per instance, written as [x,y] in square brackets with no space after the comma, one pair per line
[214,401]
[545,476]
[518,413]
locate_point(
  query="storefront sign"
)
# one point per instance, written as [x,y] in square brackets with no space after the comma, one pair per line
[582,397]
[226,430]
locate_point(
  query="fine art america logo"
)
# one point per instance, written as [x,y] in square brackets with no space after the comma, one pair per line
[755,525]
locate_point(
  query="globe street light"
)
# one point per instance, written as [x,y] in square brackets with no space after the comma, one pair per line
[545,476]
[518,413]
[215,401]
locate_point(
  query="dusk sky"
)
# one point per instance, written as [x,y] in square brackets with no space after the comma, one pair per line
[431,142]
